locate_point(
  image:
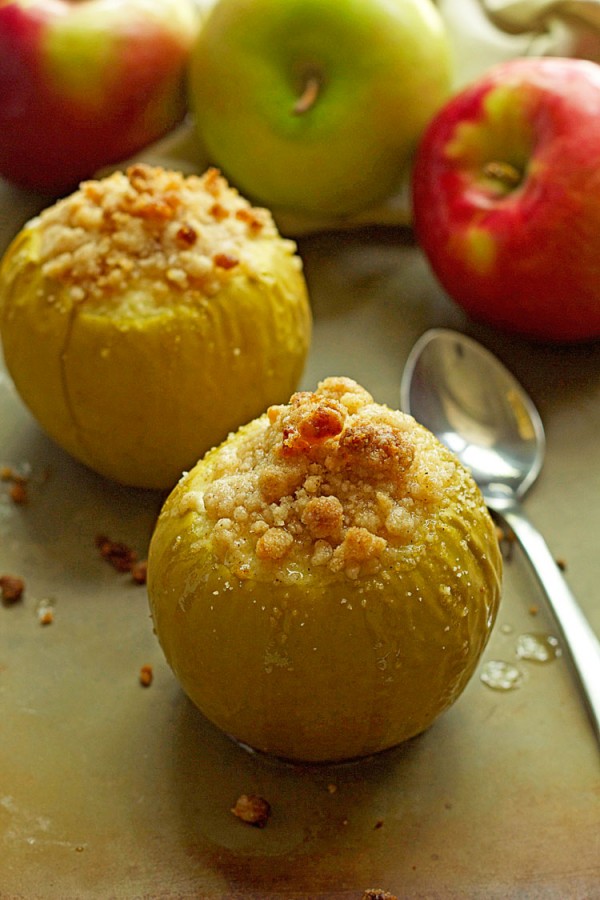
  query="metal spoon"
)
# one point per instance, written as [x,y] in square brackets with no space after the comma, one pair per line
[474,405]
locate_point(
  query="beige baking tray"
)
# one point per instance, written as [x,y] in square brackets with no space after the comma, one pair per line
[112,790]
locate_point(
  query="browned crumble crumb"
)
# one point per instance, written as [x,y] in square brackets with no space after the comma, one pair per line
[46,616]
[332,788]
[17,491]
[119,555]
[218,212]
[378,824]
[378,894]
[7,473]
[534,610]
[562,564]
[146,675]
[139,571]
[252,218]
[224,261]
[123,558]
[11,589]
[186,236]
[252,809]
[331,477]
[151,225]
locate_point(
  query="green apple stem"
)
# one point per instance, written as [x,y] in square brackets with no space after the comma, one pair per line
[308,97]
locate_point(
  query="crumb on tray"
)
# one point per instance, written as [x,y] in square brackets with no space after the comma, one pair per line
[122,558]
[146,675]
[252,809]
[118,555]
[45,611]
[17,491]
[11,589]
[377,894]
[139,571]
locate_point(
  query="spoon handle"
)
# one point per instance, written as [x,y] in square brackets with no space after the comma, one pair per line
[580,640]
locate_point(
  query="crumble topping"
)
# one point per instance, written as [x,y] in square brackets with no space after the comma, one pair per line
[331,477]
[151,224]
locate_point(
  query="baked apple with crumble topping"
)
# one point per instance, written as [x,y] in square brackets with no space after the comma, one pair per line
[147,315]
[324,582]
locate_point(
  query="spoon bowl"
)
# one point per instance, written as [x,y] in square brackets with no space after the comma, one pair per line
[477,408]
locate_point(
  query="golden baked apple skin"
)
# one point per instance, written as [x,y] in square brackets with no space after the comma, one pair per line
[292,617]
[137,369]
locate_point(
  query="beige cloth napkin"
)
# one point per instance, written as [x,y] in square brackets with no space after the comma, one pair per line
[484,32]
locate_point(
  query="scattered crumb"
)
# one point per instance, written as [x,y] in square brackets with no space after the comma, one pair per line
[47,618]
[332,788]
[119,555]
[11,589]
[534,610]
[122,558]
[139,571]
[18,493]
[378,824]
[8,473]
[45,612]
[146,675]
[378,894]
[18,485]
[562,564]
[252,809]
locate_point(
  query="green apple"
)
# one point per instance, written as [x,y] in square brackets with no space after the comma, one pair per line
[317,106]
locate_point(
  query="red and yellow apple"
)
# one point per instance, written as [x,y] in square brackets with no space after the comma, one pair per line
[84,84]
[506,198]
[316,107]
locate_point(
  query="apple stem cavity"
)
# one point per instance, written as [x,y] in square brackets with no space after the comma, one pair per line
[504,174]
[308,97]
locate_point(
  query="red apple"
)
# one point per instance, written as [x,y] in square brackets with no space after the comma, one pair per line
[84,84]
[506,198]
